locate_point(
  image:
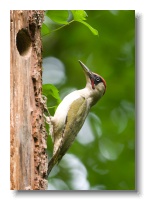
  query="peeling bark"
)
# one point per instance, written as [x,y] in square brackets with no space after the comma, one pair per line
[28,163]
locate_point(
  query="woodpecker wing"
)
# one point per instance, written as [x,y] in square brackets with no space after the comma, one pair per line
[74,121]
[75,118]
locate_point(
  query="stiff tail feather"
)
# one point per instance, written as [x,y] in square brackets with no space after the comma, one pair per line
[51,164]
[54,160]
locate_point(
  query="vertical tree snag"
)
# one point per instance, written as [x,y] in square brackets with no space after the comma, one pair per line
[28,165]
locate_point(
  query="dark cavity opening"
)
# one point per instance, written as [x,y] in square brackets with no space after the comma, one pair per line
[23,42]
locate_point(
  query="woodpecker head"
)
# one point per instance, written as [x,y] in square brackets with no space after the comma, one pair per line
[94,81]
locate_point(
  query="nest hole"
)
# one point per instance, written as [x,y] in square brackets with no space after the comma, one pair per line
[23,42]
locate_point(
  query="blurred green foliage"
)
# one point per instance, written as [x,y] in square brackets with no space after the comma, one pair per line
[103,155]
[52,96]
[64,17]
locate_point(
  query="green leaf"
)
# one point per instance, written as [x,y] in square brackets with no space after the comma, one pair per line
[58,16]
[94,31]
[51,90]
[79,15]
[44,30]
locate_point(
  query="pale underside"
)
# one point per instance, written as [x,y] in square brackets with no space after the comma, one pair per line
[64,138]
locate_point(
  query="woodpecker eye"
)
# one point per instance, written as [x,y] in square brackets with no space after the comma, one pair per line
[97,79]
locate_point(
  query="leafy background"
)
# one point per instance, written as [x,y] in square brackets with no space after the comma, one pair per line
[103,155]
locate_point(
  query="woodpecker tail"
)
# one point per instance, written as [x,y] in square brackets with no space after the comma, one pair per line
[54,160]
[52,163]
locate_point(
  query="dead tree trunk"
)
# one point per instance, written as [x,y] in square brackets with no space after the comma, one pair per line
[28,164]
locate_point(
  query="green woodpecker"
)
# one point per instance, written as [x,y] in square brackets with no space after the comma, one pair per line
[71,114]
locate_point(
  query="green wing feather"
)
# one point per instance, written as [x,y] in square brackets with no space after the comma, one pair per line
[76,116]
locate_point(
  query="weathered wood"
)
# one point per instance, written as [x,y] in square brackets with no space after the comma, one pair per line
[28,164]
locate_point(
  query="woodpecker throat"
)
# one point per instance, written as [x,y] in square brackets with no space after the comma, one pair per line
[71,114]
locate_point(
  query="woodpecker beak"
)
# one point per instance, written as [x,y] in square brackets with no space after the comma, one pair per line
[88,73]
[86,69]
